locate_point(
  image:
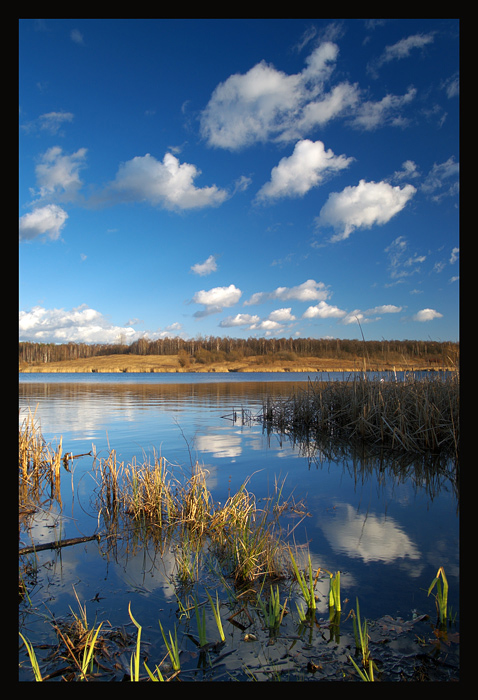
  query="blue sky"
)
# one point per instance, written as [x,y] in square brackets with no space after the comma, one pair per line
[238,178]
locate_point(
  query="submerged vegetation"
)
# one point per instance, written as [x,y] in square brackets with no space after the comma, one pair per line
[245,590]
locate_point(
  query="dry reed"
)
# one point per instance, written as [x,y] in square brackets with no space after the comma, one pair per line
[415,415]
[39,464]
[245,539]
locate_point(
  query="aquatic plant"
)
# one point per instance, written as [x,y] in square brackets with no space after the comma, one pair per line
[33,659]
[441,596]
[413,415]
[172,647]
[334,592]
[306,586]
[217,614]
[272,612]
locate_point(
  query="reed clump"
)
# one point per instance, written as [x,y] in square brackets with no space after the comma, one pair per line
[39,464]
[245,539]
[413,415]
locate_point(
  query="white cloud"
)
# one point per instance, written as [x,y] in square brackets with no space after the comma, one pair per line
[384,309]
[239,320]
[206,267]
[427,315]
[214,300]
[52,121]
[362,206]
[401,49]
[307,291]
[58,172]
[281,315]
[166,183]
[44,221]
[307,167]
[267,325]
[410,170]
[370,115]
[82,325]
[78,325]
[323,310]
[401,263]
[442,180]
[266,103]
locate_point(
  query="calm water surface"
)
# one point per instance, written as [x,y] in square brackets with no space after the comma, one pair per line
[387,533]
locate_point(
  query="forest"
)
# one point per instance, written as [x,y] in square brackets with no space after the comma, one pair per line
[214,348]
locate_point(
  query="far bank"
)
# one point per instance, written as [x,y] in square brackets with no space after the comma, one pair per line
[177,363]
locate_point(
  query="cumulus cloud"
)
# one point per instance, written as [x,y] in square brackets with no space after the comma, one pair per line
[82,324]
[79,325]
[363,206]
[214,300]
[45,221]
[266,103]
[58,172]
[282,315]
[307,291]
[166,183]
[427,315]
[323,310]
[206,267]
[239,320]
[307,167]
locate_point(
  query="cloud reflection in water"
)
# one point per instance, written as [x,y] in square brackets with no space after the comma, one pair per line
[367,536]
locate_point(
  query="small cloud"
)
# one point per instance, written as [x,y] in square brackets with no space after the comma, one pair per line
[76,36]
[45,221]
[363,206]
[427,315]
[167,183]
[206,267]
[323,310]
[214,300]
[307,291]
[307,167]
[239,320]
[53,121]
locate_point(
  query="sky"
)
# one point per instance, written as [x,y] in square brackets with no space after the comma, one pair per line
[241,178]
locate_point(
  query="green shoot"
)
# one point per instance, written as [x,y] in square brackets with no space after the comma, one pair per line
[201,623]
[361,636]
[172,647]
[33,659]
[272,612]
[363,673]
[217,615]
[134,662]
[152,676]
[441,596]
[306,588]
[334,592]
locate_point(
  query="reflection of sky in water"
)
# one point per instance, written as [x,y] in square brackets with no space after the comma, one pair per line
[360,526]
[366,536]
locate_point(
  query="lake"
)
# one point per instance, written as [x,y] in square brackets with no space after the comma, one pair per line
[386,529]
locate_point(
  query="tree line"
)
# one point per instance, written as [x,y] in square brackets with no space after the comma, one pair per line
[214,348]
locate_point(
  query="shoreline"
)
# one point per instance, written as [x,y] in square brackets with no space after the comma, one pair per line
[147,364]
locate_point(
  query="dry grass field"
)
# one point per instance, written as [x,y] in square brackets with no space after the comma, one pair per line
[173,363]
